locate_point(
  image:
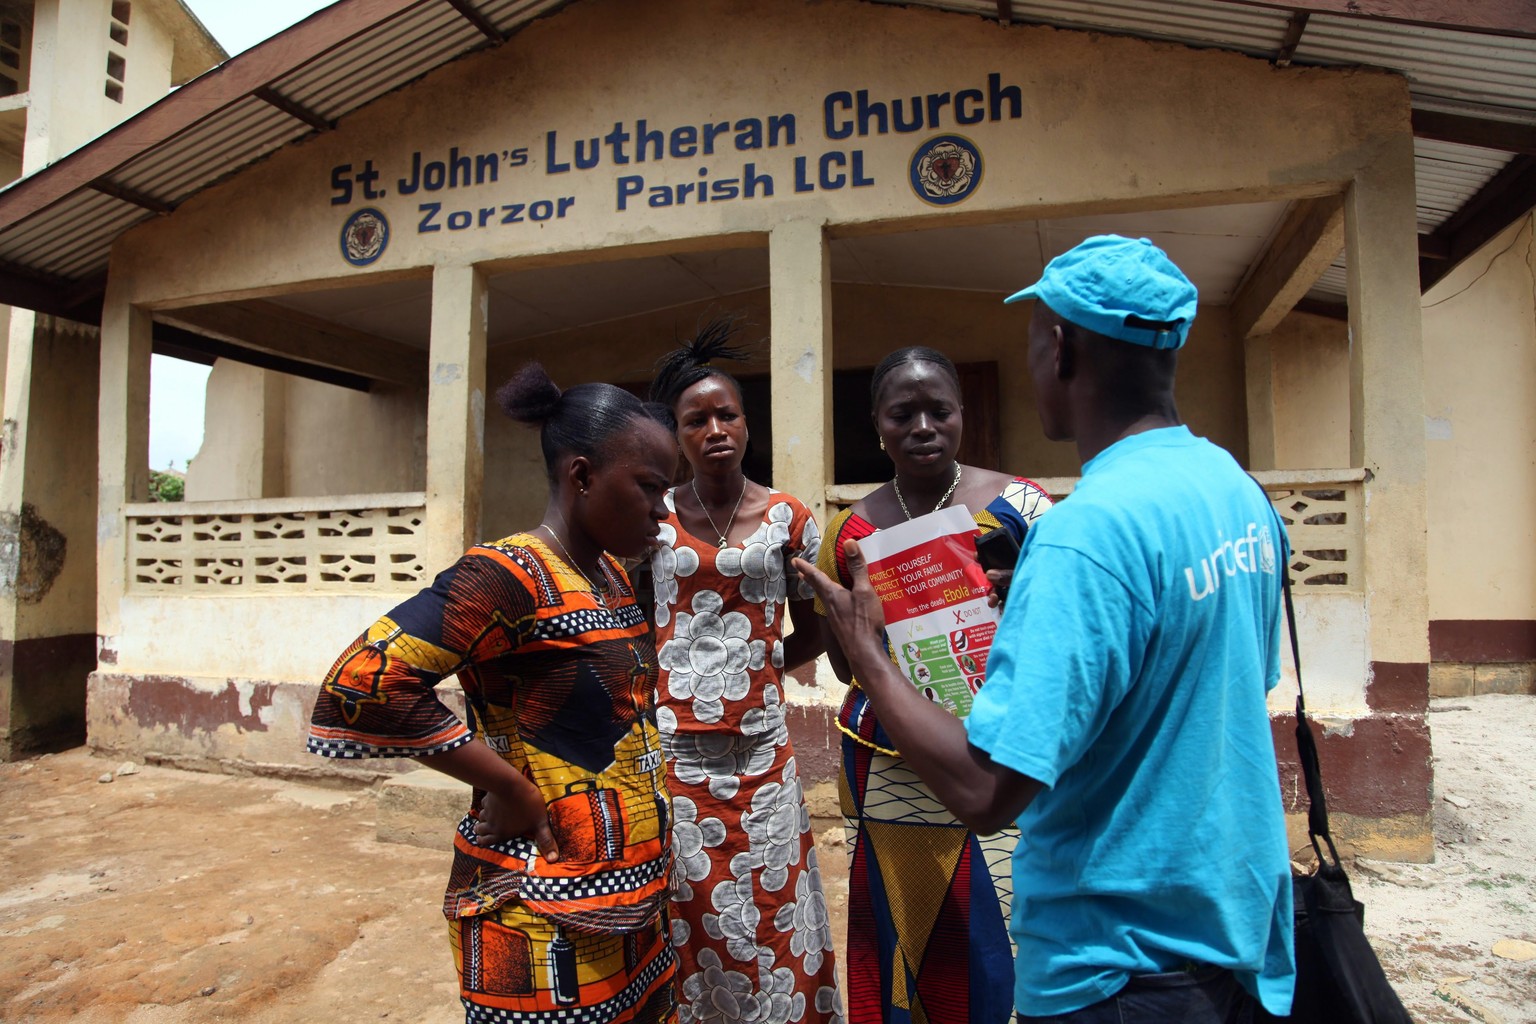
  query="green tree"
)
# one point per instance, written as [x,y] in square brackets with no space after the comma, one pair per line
[166,486]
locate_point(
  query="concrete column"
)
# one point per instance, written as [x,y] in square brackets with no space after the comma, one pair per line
[123,444]
[455,413]
[13,443]
[1386,804]
[13,450]
[800,360]
[1386,367]
[47,534]
[1259,374]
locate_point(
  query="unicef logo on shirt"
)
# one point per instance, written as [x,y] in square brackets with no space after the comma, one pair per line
[1253,551]
[1266,552]
[946,170]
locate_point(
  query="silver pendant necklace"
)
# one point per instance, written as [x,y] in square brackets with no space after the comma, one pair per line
[719,532]
[942,501]
[597,592]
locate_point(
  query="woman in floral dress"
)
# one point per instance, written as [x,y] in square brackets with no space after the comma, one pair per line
[749,921]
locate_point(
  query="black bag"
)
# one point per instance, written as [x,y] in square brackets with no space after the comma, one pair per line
[1338,978]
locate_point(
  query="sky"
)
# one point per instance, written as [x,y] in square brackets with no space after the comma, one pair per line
[177,388]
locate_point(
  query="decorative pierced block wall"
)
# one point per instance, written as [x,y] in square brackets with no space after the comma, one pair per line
[1321,510]
[220,547]
[1324,523]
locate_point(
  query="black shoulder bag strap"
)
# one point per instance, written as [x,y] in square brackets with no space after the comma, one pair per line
[1306,743]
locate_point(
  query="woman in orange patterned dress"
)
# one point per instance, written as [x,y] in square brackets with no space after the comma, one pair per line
[561,869]
[749,920]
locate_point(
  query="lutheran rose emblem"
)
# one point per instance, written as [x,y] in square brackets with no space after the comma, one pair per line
[946,169]
[364,236]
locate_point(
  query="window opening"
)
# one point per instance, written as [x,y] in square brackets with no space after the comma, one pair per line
[12,47]
[117,64]
[117,69]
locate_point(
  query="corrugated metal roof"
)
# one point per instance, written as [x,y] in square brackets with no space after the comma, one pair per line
[1251,30]
[66,243]
[1446,174]
[350,54]
[245,132]
[1333,284]
[1495,75]
[399,51]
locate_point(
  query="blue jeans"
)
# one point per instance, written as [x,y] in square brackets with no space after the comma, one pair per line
[1204,995]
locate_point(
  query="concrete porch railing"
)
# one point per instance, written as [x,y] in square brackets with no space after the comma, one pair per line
[339,544]
[1321,509]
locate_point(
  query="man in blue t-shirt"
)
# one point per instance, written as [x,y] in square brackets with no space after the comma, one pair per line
[1123,721]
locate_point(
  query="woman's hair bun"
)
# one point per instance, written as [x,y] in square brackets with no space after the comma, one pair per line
[589,419]
[530,396]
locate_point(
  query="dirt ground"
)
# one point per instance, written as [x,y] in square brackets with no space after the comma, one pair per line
[167,896]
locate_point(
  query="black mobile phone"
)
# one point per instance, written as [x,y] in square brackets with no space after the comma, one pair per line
[997,550]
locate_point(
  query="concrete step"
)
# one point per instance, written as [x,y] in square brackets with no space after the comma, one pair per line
[421,808]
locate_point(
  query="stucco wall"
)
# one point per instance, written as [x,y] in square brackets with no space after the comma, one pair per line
[1480,425]
[59,579]
[68,103]
[47,534]
[340,441]
[1309,367]
[268,434]
[232,460]
[201,636]
[5,342]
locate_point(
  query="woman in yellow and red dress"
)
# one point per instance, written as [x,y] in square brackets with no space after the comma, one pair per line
[928,900]
[557,895]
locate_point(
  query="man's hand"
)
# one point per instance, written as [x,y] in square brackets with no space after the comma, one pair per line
[855,615]
[982,794]
[1000,580]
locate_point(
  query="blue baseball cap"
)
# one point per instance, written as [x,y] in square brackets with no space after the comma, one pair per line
[1125,288]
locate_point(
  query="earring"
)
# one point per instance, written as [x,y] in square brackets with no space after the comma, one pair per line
[882,444]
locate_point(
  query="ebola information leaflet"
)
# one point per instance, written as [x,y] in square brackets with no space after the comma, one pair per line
[934,594]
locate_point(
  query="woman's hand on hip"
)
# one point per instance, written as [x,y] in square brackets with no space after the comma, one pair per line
[505,816]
